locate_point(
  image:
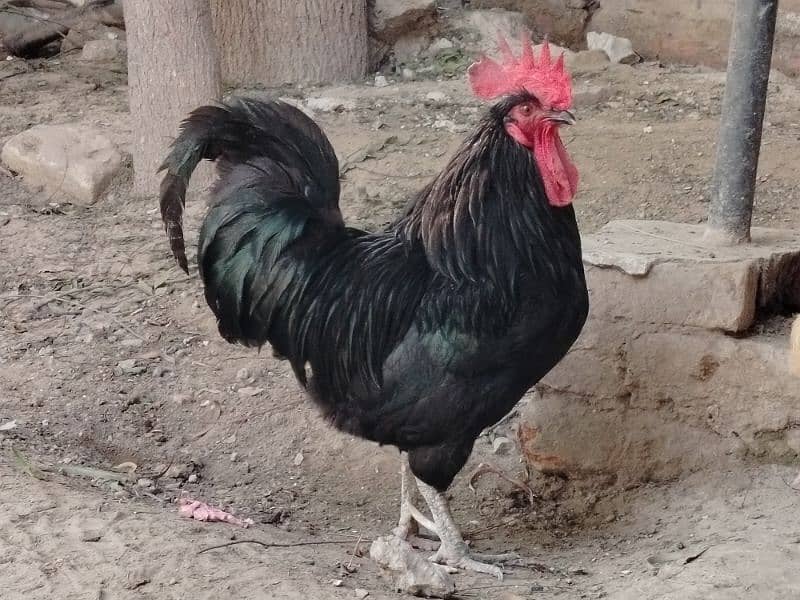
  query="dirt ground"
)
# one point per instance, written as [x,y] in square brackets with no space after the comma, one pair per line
[108,355]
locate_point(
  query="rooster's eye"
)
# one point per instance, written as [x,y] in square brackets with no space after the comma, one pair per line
[526,110]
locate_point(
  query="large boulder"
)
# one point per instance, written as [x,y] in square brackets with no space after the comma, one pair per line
[75,159]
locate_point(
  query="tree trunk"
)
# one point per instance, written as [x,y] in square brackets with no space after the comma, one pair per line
[172,69]
[273,42]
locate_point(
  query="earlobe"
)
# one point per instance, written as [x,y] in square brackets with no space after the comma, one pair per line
[516,133]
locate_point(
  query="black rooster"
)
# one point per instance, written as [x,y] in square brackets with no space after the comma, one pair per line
[426,333]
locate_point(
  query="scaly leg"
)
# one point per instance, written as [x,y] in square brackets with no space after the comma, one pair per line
[454,551]
[410,517]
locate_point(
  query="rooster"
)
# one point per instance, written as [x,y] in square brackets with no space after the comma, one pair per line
[425,333]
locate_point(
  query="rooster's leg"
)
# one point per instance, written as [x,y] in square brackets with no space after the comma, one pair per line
[454,551]
[411,517]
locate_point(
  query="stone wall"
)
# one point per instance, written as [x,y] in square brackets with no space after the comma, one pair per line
[671,373]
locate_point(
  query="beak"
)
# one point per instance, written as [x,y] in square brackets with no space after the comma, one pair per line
[562,117]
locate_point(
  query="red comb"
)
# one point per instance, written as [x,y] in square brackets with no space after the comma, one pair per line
[543,78]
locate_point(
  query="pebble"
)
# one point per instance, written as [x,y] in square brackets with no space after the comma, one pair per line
[361,593]
[298,459]
[409,74]
[192,478]
[243,374]
[437,97]
[648,129]
[501,445]
[144,483]
[337,582]
[182,398]
[381,81]
[439,45]
[234,457]
[91,535]
[250,391]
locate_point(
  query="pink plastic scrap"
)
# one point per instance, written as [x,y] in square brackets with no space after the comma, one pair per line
[200,511]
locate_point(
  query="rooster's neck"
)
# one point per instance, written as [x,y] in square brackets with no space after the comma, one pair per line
[486,216]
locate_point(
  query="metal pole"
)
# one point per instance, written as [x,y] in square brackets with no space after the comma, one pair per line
[739,142]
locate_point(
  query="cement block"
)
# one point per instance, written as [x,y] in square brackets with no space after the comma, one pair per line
[665,273]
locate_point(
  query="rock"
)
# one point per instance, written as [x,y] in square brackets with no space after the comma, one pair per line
[234,457]
[337,582]
[90,535]
[410,570]
[438,45]
[391,19]
[449,125]
[361,593]
[75,159]
[438,97]
[179,471]
[127,364]
[381,81]
[501,445]
[243,374]
[144,483]
[102,50]
[409,74]
[250,391]
[326,104]
[586,61]
[136,578]
[618,49]
[193,478]
[298,459]
[182,398]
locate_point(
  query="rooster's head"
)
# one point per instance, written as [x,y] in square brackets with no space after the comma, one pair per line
[536,98]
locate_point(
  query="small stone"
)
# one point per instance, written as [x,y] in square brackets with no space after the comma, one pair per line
[501,445]
[361,593]
[91,535]
[440,44]
[409,74]
[234,457]
[135,579]
[243,374]
[439,97]
[102,50]
[618,49]
[298,459]
[449,125]
[192,478]
[328,104]
[182,398]
[337,582]
[381,81]
[144,483]
[648,129]
[250,391]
